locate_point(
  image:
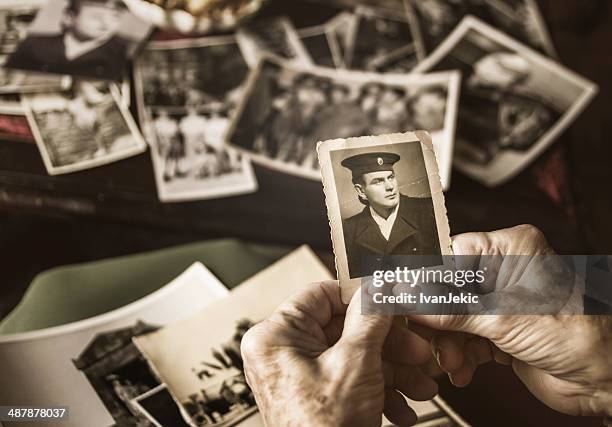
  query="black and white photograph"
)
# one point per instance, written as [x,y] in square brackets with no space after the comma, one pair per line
[15,19]
[323,43]
[82,128]
[378,36]
[188,91]
[158,406]
[385,204]
[93,366]
[514,101]
[287,109]
[521,19]
[274,36]
[204,371]
[85,38]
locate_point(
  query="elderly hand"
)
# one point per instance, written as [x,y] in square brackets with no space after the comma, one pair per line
[565,361]
[316,362]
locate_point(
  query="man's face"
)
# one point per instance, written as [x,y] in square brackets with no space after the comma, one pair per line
[380,188]
[95,21]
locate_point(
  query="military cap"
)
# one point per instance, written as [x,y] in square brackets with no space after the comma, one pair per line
[370,162]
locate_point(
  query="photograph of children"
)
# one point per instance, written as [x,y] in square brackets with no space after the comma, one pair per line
[274,36]
[14,21]
[15,127]
[521,19]
[377,35]
[187,92]
[86,38]
[287,109]
[385,204]
[82,128]
[514,101]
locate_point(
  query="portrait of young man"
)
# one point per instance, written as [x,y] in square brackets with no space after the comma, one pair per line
[88,40]
[392,227]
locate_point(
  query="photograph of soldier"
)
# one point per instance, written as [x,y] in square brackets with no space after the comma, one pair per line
[520,19]
[86,38]
[14,22]
[377,35]
[82,128]
[391,223]
[287,109]
[513,99]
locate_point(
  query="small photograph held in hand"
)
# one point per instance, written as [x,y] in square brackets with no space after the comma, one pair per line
[385,205]
[85,38]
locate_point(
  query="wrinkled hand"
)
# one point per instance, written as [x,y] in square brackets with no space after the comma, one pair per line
[315,362]
[565,361]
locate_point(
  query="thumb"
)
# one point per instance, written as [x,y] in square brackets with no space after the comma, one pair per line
[369,330]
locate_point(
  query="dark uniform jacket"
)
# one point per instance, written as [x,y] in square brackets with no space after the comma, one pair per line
[48,54]
[414,233]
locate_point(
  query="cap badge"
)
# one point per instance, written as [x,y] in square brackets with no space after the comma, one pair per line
[380,161]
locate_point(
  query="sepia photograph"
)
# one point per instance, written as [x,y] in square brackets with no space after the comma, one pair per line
[324,42]
[187,93]
[93,366]
[160,409]
[514,101]
[82,128]
[205,372]
[85,38]
[287,109]
[385,205]
[274,36]
[521,19]
[377,35]
[14,22]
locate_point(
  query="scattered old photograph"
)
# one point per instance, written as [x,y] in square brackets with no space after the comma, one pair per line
[273,36]
[385,205]
[514,101]
[379,36]
[324,42]
[85,38]
[82,128]
[521,19]
[187,93]
[206,375]
[339,33]
[15,127]
[92,364]
[287,109]
[14,21]
[158,406]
